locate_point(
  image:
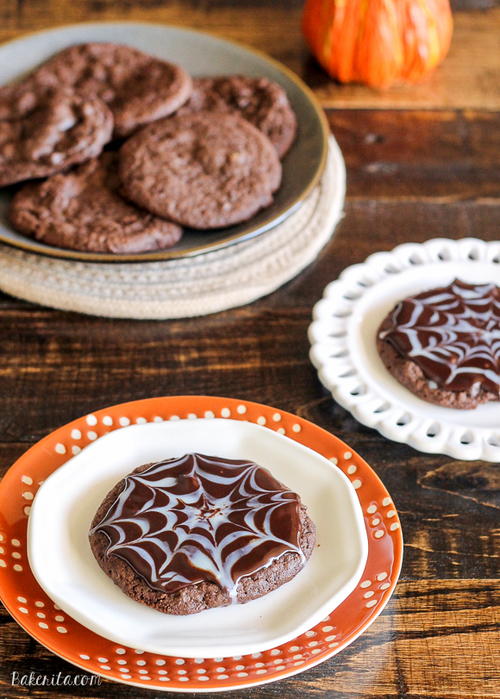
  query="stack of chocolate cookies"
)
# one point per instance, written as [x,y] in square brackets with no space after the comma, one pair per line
[134,149]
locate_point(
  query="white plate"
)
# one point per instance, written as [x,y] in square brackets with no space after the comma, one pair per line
[343,347]
[64,566]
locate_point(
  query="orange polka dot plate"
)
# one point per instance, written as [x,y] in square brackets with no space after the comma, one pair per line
[346,616]
[62,561]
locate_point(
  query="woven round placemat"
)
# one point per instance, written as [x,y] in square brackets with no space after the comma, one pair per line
[192,286]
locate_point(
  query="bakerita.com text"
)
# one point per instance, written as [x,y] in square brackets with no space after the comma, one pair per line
[58,679]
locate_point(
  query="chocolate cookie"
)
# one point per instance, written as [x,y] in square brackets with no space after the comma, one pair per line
[138,88]
[196,532]
[263,102]
[444,344]
[83,210]
[203,170]
[43,132]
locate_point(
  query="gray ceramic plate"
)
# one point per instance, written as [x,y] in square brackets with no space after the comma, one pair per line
[200,54]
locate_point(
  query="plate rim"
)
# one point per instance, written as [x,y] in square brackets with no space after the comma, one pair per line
[334,307]
[194,251]
[357,532]
[48,445]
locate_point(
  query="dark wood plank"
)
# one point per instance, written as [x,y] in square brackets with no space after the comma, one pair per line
[76,364]
[466,79]
[473,4]
[448,155]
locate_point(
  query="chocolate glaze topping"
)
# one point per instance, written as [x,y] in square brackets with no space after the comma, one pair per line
[201,518]
[452,333]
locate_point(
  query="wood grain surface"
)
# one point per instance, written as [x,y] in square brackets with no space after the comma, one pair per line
[422,162]
[467,79]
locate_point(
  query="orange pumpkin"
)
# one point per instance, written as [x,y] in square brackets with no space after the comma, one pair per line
[378,42]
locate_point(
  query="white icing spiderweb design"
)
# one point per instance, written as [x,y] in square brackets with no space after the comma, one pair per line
[201,518]
[453,334]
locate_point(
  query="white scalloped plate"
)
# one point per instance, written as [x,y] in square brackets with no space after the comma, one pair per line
[63,564]
[343,348]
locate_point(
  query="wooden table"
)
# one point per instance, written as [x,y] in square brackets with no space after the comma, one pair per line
[422,162]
